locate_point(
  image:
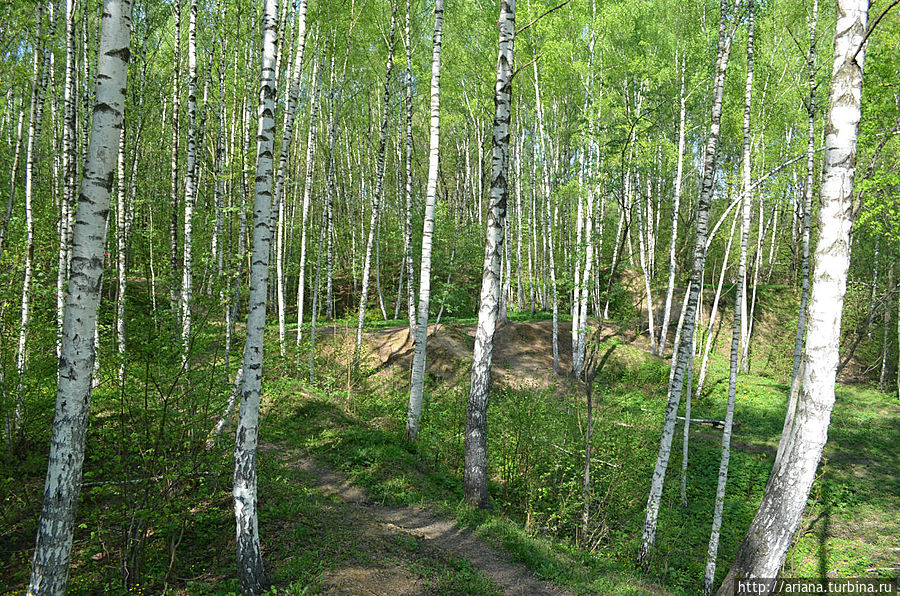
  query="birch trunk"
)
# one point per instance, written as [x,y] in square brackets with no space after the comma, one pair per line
[376,197]
[34,122]
[763,550]
[707,345]
[190,188]
[713,547]
[475,477]
[62,487]
[882,378]
[407,229]
[121,261]
[307,191]
[679,170]
[249,558]
[173,170]
[10,201]
[554,302]
[726,33]
[807,213]
[290,111]
[417,381]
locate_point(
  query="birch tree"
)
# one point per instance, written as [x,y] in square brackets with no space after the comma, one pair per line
[34,119]
[307,190]
[251,573]
[62,487]
[190,187]
[379,188]
[807,214]
[764,548]
[739,314]
[417,382]
[293,93]
[726,34]
[475,477]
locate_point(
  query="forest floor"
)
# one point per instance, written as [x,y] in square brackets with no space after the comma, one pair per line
[421,533]
[347,506]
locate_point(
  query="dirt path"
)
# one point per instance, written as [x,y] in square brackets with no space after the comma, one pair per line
[437,532]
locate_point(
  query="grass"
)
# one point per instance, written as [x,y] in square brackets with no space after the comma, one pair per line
[850,527]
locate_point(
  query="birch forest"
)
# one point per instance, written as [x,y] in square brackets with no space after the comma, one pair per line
[426,297]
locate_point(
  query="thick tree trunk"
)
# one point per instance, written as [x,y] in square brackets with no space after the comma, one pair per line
[762,553]
[417,382]
[62,487]
[249,558]
[726,33]
[475,477]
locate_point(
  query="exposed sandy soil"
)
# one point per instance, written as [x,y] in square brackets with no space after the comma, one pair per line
[378,523]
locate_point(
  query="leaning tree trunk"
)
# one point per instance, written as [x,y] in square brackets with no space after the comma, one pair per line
[249,558]
[739,313]
[807,213]
[648,538]
[475,477]
[763,550]
[62,487]
[376,197]
[417,381]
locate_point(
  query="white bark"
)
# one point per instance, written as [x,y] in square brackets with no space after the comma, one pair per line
[376,197]
[307,190]
[417,381]
[713,315]
[292,94]
[475,476]
[763,551]
[648,538]
[407,229]
[548,224]
[63,482]
[679,171]
[807,214]
[739,314]
[249,558]
[173,167]
[4,226]
[34,122]
[121,261]
[190,188]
